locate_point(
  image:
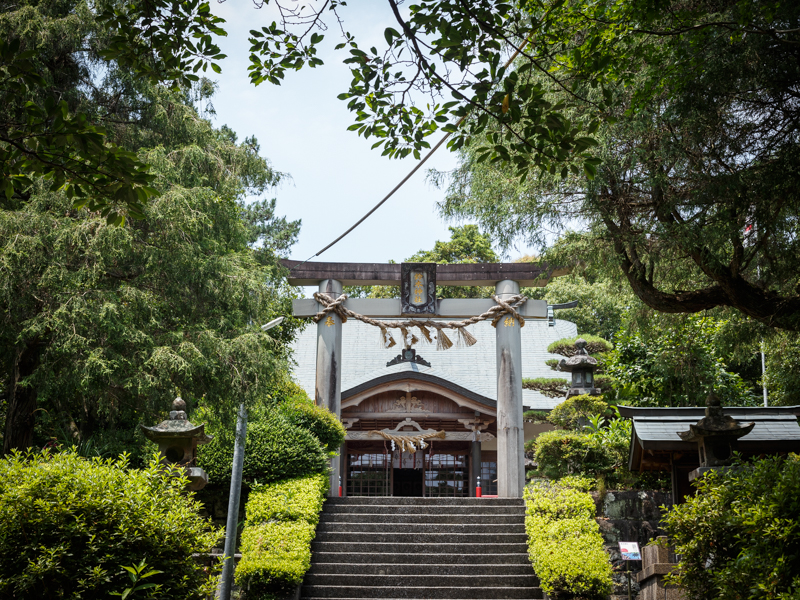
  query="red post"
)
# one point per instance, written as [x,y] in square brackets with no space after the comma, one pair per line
[478,493]
[340,486]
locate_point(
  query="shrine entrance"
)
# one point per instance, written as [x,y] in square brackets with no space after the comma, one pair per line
[411,432]
[416,436]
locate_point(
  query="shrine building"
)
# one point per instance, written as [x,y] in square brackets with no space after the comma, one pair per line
[423,421]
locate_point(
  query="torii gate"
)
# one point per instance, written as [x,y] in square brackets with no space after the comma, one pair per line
[418,300]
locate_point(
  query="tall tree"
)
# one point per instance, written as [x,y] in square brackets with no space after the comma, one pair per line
[102,325]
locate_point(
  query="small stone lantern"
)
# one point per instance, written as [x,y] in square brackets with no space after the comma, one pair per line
[715,435]
[177,441]
[582,367]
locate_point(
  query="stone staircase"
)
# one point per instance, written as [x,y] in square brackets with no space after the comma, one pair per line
[421,548]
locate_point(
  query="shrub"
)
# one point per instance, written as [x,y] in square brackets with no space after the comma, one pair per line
[274,450]
[564,542]
[561,453]
[566,346]
[739,536]
[550,387]
[574,412]
[292,500]
[275,557]
[69,526]
[536,416]
[303,413]
[276,541]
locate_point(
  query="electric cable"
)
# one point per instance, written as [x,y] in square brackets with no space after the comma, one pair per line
[399,185]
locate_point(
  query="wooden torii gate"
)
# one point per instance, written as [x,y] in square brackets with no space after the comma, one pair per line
[418,283]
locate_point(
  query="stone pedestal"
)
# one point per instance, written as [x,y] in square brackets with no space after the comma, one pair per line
[657,561]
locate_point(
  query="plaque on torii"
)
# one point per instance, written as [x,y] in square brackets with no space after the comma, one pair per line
[418,283]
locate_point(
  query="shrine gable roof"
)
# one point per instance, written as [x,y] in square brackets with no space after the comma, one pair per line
[473,368]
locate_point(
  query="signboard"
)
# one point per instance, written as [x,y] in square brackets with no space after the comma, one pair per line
[629,551]
[418,288]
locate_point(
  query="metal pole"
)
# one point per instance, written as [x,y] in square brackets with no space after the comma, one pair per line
[763,373]
[629,578]
[226,581]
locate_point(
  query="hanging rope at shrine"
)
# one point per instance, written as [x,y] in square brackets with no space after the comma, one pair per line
[409,441]
[504,307]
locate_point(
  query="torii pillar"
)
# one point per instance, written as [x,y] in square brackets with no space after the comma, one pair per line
[328,386]
[510,427]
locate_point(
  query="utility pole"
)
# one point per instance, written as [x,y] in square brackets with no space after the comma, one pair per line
[232,524]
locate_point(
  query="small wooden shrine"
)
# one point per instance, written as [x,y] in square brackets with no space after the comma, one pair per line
[711,434]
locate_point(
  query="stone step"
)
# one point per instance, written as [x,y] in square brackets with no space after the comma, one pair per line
[451,509]
[426,501]
[381,517]
[426,592]
[396,526]
[444,536]
[444,548]
[406,569]
[458,581]
[369,557]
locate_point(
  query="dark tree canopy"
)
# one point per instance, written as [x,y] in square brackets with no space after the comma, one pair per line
[672,127]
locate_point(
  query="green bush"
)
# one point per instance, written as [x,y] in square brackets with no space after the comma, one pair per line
[739,536]
[536,416]
[561,453]
[566,346]
[564,542]
[292,500]
[276,541]
[275,557]
[574,412]
[317,419]
[275,449]
[552,387]
[69,526]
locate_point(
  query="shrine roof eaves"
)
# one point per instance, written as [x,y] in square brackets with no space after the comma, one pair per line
[482,274]
[419,376]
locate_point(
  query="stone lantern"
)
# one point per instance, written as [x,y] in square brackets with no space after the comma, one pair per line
[177,441]
[582,367]
[715,435]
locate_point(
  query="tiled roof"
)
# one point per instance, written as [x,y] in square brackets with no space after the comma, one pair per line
[663,424]
[473,368]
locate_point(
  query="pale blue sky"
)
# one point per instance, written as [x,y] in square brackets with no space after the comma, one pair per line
[302,129]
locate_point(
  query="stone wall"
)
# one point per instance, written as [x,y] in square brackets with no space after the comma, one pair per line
[630,516]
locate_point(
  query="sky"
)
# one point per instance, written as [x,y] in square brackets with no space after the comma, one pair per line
[302,129]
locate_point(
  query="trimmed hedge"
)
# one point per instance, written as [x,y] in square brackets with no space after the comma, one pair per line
[570,413]
[316,419]
[564,542]
[275,449]
[69,526]
[276,541]
[552,387]
[566,346]
[292,500]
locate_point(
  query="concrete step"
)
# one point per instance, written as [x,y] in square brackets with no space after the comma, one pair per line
[451,509]
[415,517]
[431,568]
[458,581]
[369,557]
[442,535]
[396,525]
[443,548]
[426,592]
[426,501]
